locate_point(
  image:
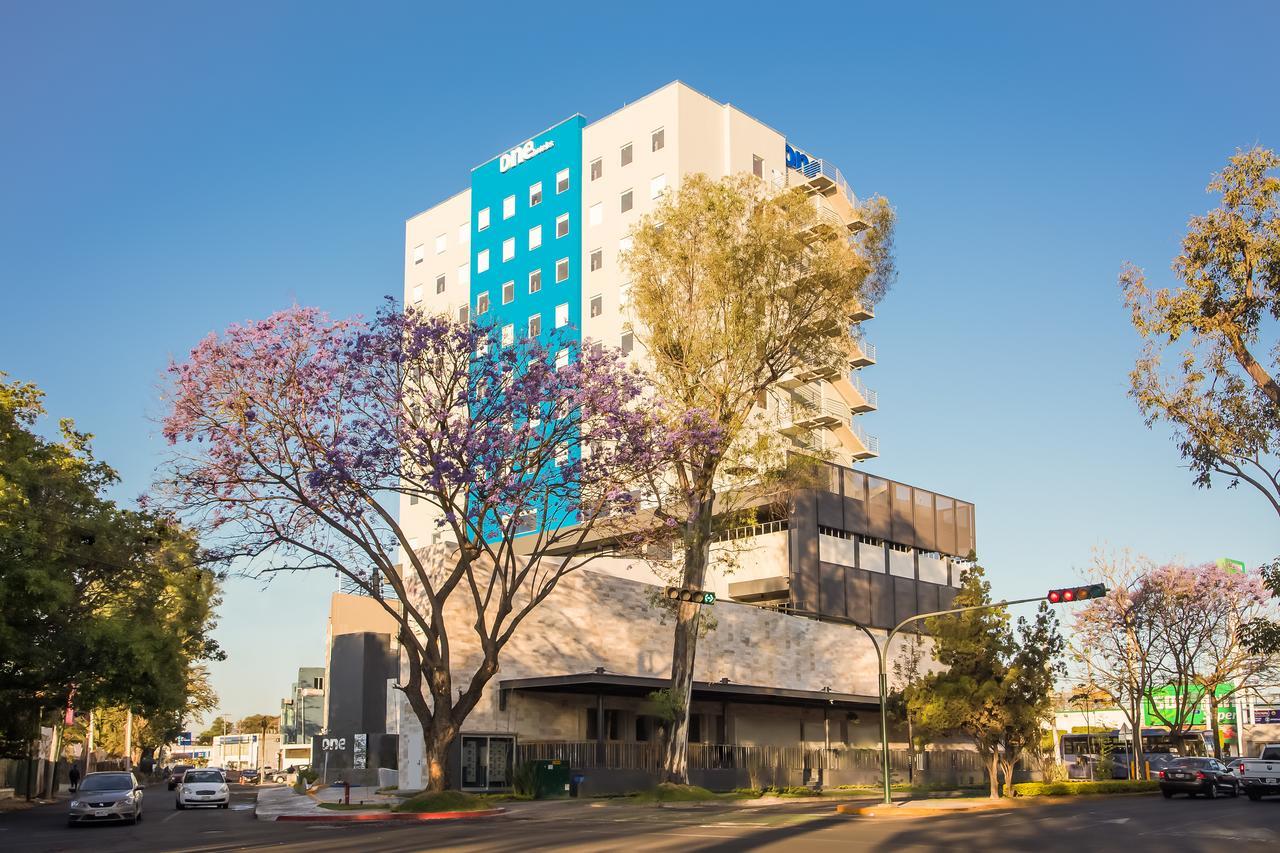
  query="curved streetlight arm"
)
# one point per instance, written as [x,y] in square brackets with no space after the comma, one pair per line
[882,652]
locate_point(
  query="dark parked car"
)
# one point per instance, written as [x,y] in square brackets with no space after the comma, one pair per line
[176,774]
[249,776]
[1192,776]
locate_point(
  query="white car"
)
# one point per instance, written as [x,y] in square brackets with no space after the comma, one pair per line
[203,787]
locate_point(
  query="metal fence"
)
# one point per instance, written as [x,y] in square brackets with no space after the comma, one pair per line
[588,755]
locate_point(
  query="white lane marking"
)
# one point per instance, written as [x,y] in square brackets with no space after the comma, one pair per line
[1116,820]
[170,817]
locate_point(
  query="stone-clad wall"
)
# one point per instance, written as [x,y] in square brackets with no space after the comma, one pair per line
[597,620]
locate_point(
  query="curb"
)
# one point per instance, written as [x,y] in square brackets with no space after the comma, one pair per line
[900,811]
[379,817]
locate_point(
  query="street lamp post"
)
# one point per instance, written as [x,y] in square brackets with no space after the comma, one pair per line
[882,651]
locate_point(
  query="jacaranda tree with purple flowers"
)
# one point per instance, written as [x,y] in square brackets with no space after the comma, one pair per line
[294,436]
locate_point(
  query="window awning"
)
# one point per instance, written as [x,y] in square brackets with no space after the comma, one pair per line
[610,684]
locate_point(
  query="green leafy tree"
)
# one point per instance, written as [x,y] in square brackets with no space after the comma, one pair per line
[996,689]
[217,728]
[735,286]
[99,606]
[1222,397]
[260,723]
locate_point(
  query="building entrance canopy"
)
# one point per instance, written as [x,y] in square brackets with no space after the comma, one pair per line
[608,684]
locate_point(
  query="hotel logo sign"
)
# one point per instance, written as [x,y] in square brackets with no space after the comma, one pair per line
[521,154]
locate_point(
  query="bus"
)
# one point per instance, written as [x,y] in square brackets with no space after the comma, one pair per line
[1080,752]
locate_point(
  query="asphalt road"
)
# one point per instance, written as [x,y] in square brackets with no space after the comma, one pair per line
[1128,823]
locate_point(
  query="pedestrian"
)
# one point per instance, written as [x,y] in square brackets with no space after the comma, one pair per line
[75,776]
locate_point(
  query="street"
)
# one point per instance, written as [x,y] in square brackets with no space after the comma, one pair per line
[1129,823]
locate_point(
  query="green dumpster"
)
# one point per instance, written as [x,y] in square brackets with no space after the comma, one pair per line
[550,778]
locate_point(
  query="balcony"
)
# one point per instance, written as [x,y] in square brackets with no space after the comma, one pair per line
[854,391]
[861,445]
[833,193]
[862,353]
[807,376]
[809,411]
[862,312]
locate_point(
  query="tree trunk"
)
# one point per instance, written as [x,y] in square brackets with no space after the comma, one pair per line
[675,764]
[1213,722]
[993,774]
[1007,767]
[435,757]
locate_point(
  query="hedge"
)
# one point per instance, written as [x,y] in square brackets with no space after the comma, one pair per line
[1072,789]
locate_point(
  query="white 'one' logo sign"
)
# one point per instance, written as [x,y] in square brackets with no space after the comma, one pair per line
[521,153]
[333,743]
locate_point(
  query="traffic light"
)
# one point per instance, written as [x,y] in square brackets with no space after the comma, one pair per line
[700,596]
[1076,593]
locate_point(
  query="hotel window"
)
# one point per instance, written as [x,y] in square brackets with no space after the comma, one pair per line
[657,186]
[464,233]
[464,314]
[508,207]
[562,453]
[508,334]
[625,157]
[464,275]
[626,201]
[562,358]
[535,194]
[535,237]
[757,165]
[623,293]
[596,347]
[482,261]
[627,343]
[482,219]
[562,181]
[562,225]
[595,214]
[562,314]
[624,245]
[597,305]
[659,138]
[508,248]
[597,169]
[442,243]
[482,303]
[562,269]
[413,500]
[440,284]
[597,259]
[417,293]
[535,325]
[535,281]
[419,252]
[508,292]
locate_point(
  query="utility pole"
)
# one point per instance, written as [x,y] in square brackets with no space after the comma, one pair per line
[88,750]
[128,739]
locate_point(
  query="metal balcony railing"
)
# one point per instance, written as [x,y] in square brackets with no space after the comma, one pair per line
[872,398]
[821,168]
[864,346]
[868,441]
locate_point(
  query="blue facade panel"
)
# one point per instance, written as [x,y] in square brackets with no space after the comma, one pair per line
[512,175]
[542,181]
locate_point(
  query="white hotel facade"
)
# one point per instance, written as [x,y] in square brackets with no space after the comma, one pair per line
[785,680]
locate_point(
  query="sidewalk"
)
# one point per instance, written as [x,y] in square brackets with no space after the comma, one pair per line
[285,805]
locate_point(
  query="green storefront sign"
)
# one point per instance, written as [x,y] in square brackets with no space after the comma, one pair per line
[1166,700]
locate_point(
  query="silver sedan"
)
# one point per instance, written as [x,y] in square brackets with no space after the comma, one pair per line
[107,796]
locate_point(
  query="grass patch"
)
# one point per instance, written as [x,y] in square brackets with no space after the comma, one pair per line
[443,801]
[389,789]
[669,792]
[353,807]
[1074,789]
[776,791]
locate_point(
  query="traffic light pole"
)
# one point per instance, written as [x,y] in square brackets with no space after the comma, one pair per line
[882,652]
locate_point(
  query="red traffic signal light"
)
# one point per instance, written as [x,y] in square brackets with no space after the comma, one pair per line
[699,596]
[1076,593]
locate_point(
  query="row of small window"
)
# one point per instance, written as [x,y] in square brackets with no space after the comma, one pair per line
[482,217]
[657,141]
[535,242]
[535,199]
[533,328]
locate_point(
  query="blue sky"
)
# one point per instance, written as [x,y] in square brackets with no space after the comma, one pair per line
[170,169]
